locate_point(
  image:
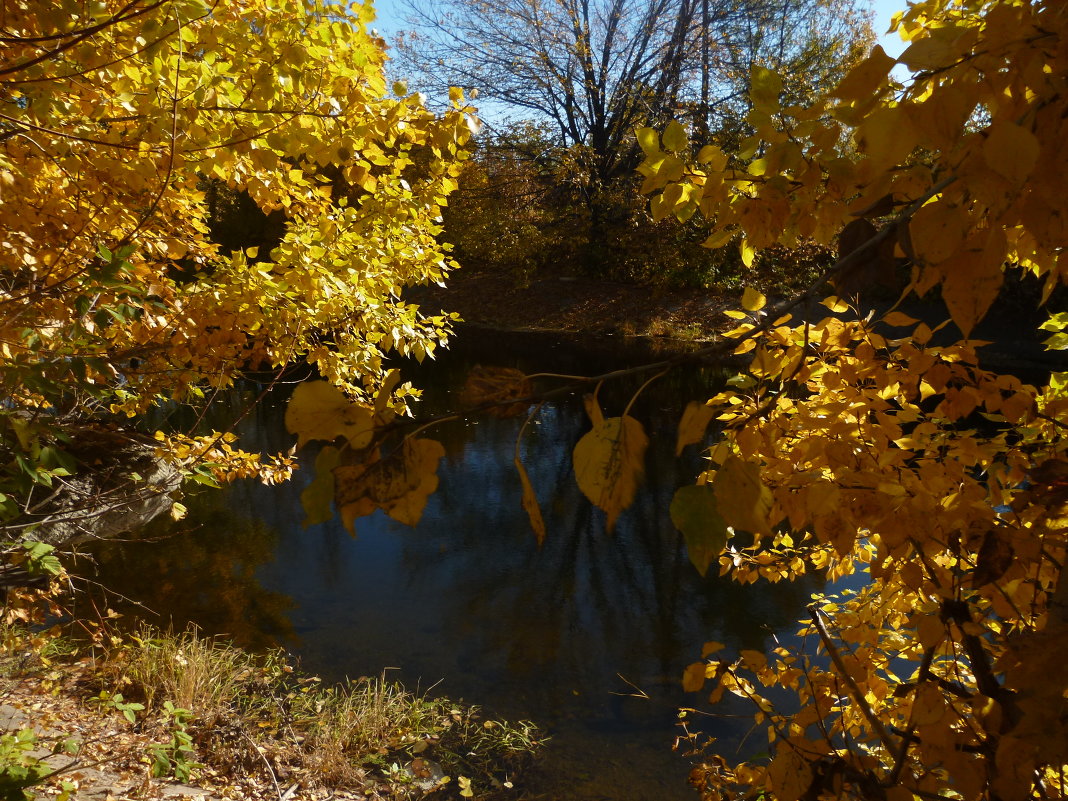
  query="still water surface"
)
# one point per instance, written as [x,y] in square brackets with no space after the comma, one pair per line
[467,602]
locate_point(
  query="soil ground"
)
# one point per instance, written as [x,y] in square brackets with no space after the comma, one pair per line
[577,305]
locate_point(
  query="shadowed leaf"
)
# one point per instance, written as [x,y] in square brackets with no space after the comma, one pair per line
[497,385]
[741,496]
[317,498]
[695,513]
[530,503]
[399,485]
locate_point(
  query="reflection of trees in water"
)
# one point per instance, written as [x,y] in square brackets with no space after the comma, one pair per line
[473,599]
[568,617]
[200,570]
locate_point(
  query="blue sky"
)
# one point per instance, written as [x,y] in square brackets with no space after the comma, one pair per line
[884,9]
[390,19]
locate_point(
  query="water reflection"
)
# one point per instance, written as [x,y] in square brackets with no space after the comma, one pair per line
[467,598]
[203,570]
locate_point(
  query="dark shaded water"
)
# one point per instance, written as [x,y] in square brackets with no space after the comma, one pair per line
[466,601]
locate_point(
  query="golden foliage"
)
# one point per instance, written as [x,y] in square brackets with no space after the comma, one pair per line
[122,127]
[881,451]
[609,462]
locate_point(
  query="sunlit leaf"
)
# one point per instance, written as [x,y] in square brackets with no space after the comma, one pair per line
[649,140]
[753,299]
[398,484]
[765,88]
[675,137]
[748,252]
[319,410]
[610,463]
[694,423]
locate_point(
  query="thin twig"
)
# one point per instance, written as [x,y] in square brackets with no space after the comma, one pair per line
[858,696]
[270,770]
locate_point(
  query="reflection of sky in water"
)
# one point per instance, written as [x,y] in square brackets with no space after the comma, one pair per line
[467,598]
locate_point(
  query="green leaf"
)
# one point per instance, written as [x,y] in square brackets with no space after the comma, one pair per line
[695,512]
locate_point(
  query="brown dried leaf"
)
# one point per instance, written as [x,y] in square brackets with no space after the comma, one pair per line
[498,385]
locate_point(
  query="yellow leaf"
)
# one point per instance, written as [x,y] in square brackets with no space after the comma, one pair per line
[789,775]
[711,647]
[929,705]
[711,156]
[319,410]
[1011,151]
[742,498]
[930,630]
[752,299]
[399,485]
[969,288]
[861,82]
[693,679]
[887,136]
[593,409]
[530,502]
[675,137]
[649,140]
[899,319]
[765,86]
[718,239]
[937,231]
[465,787]
[609,464]
[933,52]
[748,253]
[695,420]
[382,413]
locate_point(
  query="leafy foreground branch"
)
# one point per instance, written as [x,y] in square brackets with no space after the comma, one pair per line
[176,707]
[863,442]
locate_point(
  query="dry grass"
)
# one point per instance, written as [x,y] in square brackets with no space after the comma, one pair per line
[251,712]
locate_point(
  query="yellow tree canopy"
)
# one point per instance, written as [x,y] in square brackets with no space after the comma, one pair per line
[876,446]
[121,125]
[129,129]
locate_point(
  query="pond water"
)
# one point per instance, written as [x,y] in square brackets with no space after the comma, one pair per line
[466,602]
